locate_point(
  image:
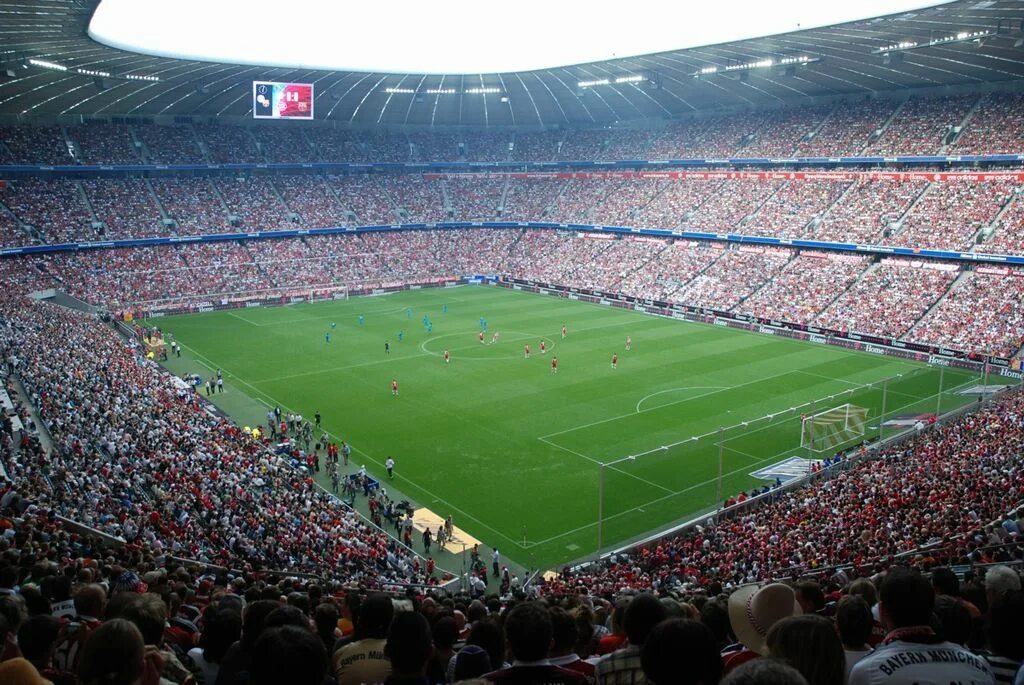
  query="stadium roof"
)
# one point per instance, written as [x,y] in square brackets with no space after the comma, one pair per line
[50,66]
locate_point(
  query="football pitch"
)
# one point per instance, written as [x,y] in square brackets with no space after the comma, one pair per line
[513,450]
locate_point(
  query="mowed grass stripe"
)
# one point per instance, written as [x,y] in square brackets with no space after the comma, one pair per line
[466,434]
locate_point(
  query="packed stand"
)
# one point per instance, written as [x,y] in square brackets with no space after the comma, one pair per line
[787,213]
[229,144]
[337,145]
[983,313]
[730,204]
[733,278]
[253,200]
[193,204]
[101,143]
[627,202]
[867,210]
[311,198]
[996,127]
[474,199]
[1009,234]
[922,125]
[783,131]
[421,199]
[889,299]
[678,200]
[677,263]
[34,145]
[538,146]
[54,208]
[279,144]
[484,147]
[125,206]
[579,202]
[171,144]
[528,199]
[129,450]
[434,147]
[805,287]
[847,129]
[949,215]
[365,197]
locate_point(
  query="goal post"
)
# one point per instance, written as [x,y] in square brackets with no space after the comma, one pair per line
[830,429]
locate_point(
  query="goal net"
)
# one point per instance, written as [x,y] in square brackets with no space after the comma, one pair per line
[830,429]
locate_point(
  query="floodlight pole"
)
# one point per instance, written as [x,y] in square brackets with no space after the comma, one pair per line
[938,403]
[721,454]
[600,508]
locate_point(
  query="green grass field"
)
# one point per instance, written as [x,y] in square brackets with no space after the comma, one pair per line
[513,450]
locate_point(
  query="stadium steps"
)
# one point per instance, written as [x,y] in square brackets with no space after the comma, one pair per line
[279,195]
[85,200]
[696,275]
[962,126]
[818,218]
[446,201]
[910,208]
[794,255]
[813,133]
[957,282]
[256,145]
[872,139]
[156,200]
[27,229]
[139,146]
[349,214]
[395,208]
[752,216]
[73,149]
[204,148]
[861,276]
[500,209]
[220,196]
[994,224]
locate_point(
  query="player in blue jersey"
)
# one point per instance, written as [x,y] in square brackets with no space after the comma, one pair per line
[401,334]
[327,337]
[362,319]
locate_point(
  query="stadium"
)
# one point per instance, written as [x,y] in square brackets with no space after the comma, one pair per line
[673,354]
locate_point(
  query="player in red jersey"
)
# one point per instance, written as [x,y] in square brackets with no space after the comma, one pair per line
[526,351]
[394,387]
[554,365]
[447,357]
[481,337]
[543,348]
[564,332]
[615,361]
[629,343]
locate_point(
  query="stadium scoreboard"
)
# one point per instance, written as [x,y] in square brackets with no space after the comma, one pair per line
[273,100]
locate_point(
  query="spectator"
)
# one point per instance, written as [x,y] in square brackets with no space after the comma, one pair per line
[682,652]
[765,672]
[907,600]
[623,665]
[1000,580]
[113,655]
[289,654]
[221,629]
[444,634]
[809,643]
[529,633]
[1003,626]
[409,648]
[37,640]
[854,621]
[364,660]
[565,635]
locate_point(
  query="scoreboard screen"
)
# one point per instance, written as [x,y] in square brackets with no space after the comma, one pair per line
[272,100]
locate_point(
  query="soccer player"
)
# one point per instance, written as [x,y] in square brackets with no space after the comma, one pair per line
[362,319]
[390,466]
[401,334]
[564,332]
[394,387]
[526,351]
[481,337]
[408,312]
[387,347]
[327,337]
[494,337]
[615,361]
[316,417]
[554,365]
[444,309]
[430,327]
[543,348]
[447,357]
[629,343]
